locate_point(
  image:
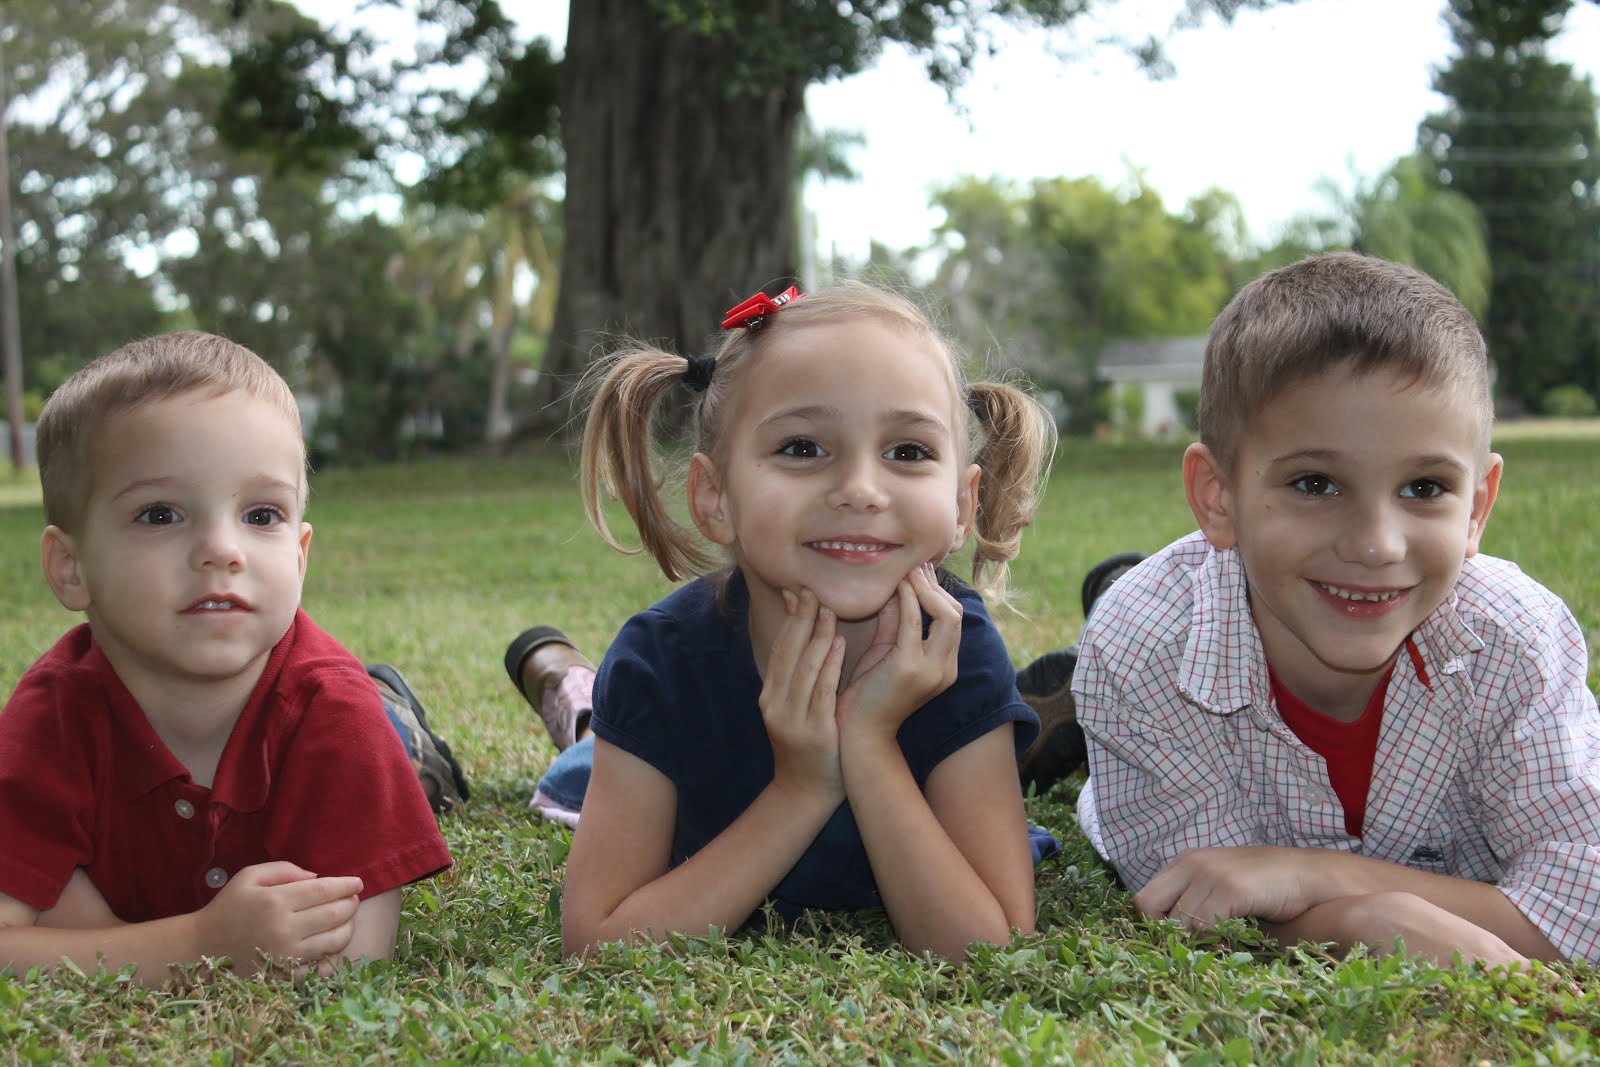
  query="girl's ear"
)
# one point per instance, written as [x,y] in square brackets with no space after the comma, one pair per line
[966,506]
[1205,483]
[1483,498]
[59,556]
[708,504]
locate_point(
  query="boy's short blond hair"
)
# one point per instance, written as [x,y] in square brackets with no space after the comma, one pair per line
[1335,310]
[155,368]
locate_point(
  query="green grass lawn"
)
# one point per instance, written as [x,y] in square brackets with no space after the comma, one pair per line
[435,566]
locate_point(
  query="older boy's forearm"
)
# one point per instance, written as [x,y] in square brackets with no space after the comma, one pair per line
[1480,903]
[152,947]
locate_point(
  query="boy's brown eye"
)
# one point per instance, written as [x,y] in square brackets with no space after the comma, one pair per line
[157,515]
[1314,485]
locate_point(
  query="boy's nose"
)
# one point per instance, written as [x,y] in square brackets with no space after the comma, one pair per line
[1373,537]
[218,545]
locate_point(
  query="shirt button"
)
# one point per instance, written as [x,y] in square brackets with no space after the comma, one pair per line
[184,809]
[216,878]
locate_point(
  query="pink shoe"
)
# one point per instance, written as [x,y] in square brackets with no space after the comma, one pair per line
[543,659]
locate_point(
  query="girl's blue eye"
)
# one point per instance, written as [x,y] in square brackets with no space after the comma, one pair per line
[157,515]
[1315,485]
[909,452]
[1424,489]
[800,448]
[263,516]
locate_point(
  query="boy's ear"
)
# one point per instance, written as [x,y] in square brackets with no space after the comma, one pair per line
[59,557]
[1483,498]
[708,504]
[966,505]
[1205,483]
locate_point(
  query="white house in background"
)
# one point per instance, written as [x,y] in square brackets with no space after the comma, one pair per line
[1160,368]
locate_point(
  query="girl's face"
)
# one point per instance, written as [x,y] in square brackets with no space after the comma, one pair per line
[844,468]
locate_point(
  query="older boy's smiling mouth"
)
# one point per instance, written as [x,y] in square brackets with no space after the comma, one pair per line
[1370,596]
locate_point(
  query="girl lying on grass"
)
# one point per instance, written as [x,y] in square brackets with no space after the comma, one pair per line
[829,720]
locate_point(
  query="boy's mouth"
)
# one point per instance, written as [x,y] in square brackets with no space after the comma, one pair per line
[207,605]
[1370,596]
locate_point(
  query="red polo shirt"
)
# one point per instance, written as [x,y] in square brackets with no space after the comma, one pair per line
[312,773]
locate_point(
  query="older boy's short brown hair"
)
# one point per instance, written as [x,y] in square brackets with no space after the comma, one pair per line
[1335,310]
[155,368]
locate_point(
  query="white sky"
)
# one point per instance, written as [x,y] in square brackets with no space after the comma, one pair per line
[1262,108]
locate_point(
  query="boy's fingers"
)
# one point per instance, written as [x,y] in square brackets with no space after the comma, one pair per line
[319,892]
[274,872]
[310,922]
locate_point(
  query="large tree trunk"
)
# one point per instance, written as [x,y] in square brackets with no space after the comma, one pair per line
[678,192]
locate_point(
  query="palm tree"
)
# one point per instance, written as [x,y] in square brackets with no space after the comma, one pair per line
[476,265]
[1406,216]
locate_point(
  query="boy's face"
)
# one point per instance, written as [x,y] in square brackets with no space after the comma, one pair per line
[189,553]
[1353,501]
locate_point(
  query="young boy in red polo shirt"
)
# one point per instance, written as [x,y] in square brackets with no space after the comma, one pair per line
[179,776]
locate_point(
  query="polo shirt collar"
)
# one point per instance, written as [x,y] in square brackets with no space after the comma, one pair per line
[244,773]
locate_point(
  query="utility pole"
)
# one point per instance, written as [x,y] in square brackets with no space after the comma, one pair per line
[12,337]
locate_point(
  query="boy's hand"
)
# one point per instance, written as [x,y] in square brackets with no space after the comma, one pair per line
[797,698]
[282,910]
[1205,885]
[901,670]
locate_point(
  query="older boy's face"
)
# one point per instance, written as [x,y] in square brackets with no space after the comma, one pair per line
[1353,501]
[190,554]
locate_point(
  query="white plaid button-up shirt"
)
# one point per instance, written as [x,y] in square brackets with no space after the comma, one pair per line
[1488,763]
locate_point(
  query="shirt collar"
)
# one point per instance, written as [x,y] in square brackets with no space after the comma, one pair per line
[1224,667]
[244,772]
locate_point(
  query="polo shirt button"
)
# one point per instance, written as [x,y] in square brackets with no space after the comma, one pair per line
[184,809]
[216,878]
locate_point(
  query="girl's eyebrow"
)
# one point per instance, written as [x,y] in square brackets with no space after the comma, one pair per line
[910,418]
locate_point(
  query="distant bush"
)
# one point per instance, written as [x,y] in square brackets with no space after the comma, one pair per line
[1188,404]
[1569,402]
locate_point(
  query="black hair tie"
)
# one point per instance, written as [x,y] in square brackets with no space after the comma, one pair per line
[698,374]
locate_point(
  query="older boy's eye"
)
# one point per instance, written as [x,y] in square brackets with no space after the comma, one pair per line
[908,452]
[263,516]
[1424,489]
[1314,485]
[157,515]
[800,448]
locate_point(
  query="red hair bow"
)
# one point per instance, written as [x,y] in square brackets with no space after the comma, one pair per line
[753,312]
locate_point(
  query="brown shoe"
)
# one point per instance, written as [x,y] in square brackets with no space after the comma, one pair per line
[1046,687]
[538,662]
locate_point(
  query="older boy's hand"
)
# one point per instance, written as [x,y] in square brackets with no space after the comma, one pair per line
[902,670]
[1205,885]
[280,909]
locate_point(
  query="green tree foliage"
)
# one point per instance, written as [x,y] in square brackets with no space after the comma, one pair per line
[1404,214]
[1044,275]
[1519,140]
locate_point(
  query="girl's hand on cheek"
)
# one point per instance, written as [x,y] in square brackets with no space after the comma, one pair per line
[901,670]
[797,698]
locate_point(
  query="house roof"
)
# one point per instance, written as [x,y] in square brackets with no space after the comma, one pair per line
[1156,357]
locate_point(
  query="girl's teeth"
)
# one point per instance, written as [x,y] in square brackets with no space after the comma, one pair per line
[845,546]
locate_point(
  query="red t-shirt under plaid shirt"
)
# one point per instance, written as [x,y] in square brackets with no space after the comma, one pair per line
[1348,747]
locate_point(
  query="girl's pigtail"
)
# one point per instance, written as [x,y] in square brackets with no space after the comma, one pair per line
[618,461]
[1019,438]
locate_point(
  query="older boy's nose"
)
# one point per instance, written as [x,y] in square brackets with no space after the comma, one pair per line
[1373,536]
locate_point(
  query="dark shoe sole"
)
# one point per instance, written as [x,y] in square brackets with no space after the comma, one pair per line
[1104,573]
[523,646]
[441,797]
